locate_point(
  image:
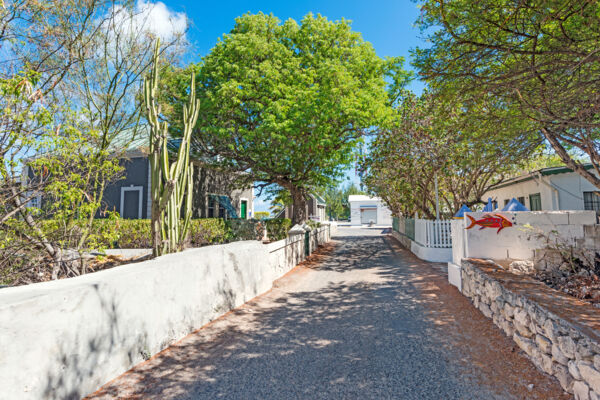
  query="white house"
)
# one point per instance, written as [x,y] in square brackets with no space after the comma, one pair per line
[552,189]
[365,209]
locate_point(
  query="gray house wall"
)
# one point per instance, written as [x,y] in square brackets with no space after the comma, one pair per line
[136,174]
[206,182]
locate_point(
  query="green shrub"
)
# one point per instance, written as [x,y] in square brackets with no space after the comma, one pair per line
[207,231]
[313,224]
[133,234]
[244,229]
[262,215]
[278,228]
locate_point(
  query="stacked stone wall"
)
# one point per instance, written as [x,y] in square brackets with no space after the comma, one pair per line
[556,345]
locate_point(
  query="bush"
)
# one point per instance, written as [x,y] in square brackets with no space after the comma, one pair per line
[244,229]
[278,228]
[313,224]
[207,231]
[262,215]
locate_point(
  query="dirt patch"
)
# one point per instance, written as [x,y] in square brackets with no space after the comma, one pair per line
[468,335]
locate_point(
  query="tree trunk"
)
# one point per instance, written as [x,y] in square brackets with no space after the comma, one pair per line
[298,205]
[576,166]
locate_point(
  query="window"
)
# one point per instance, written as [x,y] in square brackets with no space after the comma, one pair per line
[591,201]
[506,201]
[215,208]
[211,206]
[495,204]
[521,200]
[535,202]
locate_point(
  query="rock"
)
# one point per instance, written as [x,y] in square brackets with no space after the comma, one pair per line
[558,356]
[525,344]
[509,310]
[530,386]
[547,364]
[551,329]
[567,346]
[590,375]
[485,309]
[522,317]
[562,374]
[573,370]
[597,362]
[581,391]
[523,330]
[594,396]
[493,290]
[523,267]
[583,351]
[544,344]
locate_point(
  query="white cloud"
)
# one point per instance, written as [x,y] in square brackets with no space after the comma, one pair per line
[159,20]
[150,18]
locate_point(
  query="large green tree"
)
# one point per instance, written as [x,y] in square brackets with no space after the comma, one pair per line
[286,103]
[463,143]
[542,56]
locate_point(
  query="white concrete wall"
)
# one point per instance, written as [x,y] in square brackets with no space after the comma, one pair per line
[64,339]
[424,253]
[431,254]
[384,215]
[516,242]
[519,242]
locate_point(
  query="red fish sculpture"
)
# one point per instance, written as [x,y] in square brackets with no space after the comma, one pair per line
[490,221]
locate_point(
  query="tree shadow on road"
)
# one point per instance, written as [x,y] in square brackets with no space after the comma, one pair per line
[372,328]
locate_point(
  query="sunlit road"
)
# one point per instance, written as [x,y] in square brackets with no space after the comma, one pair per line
[364,319]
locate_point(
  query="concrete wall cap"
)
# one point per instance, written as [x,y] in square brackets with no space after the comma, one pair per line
[296,229]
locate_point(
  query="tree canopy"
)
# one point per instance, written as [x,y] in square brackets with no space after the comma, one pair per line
[541,56]
[462,143]
[286,103]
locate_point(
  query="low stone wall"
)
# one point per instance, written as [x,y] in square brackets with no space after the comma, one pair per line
[64,339]
[560,334]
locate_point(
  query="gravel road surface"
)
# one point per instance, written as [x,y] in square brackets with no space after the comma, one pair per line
[361,319]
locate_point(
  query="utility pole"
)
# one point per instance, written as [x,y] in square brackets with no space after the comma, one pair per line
[437,199]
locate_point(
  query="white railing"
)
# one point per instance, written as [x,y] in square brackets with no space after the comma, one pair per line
[430,233]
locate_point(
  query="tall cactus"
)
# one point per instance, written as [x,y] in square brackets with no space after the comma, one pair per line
[171,183]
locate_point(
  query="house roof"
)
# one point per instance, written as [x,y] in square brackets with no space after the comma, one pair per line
[361,197]
[530,175]
[320,200]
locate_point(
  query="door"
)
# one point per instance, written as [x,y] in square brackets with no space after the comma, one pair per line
[535,202]
[244,209]
[368,215]
[131,202]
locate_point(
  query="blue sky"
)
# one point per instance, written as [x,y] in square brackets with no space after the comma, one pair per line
[388,25]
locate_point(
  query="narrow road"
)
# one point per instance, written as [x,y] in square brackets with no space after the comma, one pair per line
[363,319]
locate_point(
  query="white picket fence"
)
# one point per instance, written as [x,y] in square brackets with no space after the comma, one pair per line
[431,233]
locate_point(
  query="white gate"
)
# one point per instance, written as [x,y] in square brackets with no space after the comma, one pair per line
[436,234]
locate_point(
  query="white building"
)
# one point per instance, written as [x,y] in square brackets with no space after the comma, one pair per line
[365,209]
[556,188]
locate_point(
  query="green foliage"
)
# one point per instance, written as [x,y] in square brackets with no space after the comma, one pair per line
[541,57]
[313,224]
[289,102]
[336,198]
[244,229]
[458,140]
[262,214]
[278,228]
[208,231]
